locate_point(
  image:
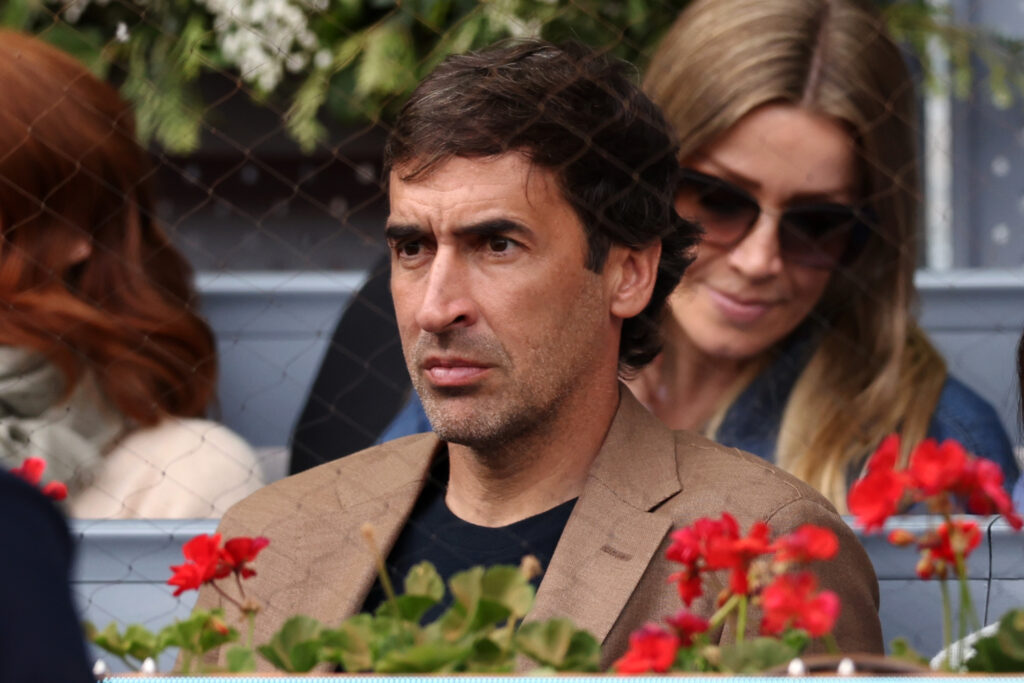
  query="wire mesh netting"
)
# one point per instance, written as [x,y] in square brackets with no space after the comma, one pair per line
[262,126]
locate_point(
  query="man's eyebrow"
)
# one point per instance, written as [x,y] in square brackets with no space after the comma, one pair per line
[400,231]
[497,226]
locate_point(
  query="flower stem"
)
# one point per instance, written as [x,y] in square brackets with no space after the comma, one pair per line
[741,619]
[830,643]
[382,570]
[947,623]
[238,580]
[966,602]
[227,597]
[251,615]
[719,616]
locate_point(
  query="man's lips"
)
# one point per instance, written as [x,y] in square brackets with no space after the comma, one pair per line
[739,309]
[453,372]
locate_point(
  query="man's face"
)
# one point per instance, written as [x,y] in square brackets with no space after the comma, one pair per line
[501,323]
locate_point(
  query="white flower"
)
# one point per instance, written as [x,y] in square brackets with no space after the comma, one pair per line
[263,38]
[323,59]
[121,35]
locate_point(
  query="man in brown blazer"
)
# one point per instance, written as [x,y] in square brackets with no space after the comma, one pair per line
[534,242]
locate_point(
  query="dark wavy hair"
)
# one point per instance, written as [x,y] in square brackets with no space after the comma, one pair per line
[71,173]
[581,115]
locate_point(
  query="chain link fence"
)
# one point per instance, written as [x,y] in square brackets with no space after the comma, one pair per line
[265,121]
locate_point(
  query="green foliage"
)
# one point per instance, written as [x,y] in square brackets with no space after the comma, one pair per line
[757,654]
[559,645]
[296,647]
[1002,652]
[202,632]
[900,648]
[479,633]
[136,641]
[241,659]
[368,54]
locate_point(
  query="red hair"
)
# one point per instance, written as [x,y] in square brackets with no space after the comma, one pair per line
[87,277]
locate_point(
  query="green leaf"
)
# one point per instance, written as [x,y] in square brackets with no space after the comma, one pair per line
[410,607]
[388,63]
[757,654]
[241,659]
[296,647]
[201,632]
[557,643]
[141,643]
[797,639]
[486,656]
[18,14]
[900,648]
[350,644]
[424,580]
[1002,652]
[509,588]
[435,657]
[108,639]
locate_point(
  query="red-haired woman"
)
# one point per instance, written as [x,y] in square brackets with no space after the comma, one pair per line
[105,367]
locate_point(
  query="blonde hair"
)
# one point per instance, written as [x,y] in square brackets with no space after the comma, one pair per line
[874,371]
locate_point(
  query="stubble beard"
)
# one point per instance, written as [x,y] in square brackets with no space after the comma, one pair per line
[527,406]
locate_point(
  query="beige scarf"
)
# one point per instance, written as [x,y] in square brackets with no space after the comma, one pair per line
[72,435]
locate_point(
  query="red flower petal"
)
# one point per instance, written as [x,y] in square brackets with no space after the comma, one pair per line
[31,470]
[809,542]
[651,649]
[56,490]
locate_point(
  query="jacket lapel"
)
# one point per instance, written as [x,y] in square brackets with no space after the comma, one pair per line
[380,491]
[613,532]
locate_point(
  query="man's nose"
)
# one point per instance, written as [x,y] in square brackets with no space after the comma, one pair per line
[758,256]
[448,300]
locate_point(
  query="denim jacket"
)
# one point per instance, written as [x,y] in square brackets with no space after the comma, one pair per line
[959,414]
[752,422]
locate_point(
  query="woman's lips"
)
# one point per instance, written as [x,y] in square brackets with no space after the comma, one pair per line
[735,310]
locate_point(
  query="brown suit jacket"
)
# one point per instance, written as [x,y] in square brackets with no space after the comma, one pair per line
[608,574]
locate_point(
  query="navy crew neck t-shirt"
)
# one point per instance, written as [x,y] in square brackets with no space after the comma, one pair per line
[433,533]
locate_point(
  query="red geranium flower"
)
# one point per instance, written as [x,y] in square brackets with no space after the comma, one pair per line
[736,554]
[957,537]
[32,469]
[687,625]
[887,454]
[982,486]
[690,547]
[239,551]
[935,468]
[203,564]
[876,497]
[651,649]
[793,601]
[809,542]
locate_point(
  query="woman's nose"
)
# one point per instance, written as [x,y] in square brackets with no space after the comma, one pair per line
[758,256]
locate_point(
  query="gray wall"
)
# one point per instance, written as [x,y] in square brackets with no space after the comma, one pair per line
[272,330]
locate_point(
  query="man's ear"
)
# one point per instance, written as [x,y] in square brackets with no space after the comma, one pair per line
[633,273]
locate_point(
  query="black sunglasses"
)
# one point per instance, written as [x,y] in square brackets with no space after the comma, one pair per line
[820,235]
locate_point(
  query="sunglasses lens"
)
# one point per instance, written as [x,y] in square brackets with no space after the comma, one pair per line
[724,213]
[817,236]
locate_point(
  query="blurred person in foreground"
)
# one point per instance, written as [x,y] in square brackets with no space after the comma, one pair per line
[40,637]
[106,368]
[792,335]
[533,242]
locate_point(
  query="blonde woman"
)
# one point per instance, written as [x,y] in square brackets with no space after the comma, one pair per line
[791,336]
